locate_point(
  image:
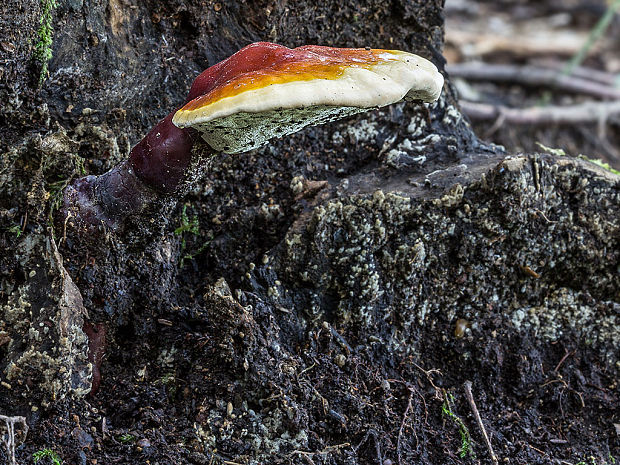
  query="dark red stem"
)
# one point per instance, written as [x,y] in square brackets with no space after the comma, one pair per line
[163,156]
[156,168]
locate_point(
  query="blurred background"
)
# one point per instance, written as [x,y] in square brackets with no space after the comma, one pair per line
[541,74]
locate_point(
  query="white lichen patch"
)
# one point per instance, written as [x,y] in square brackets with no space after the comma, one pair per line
[17,309]
[568,311]
[360,235]
[267,434]
[297,185]
[452,116]
[166,357]
[364,131]
[417,126]
[453,197]
[270,212]
[49,350]
[531,244]
[412,151]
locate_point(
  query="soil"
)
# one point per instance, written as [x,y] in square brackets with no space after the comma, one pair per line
[321,300]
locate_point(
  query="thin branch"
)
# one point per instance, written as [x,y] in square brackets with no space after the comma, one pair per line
[587,112]
[9,438]
[566,355]
[532,76]
[583,72]
[472,404]
[475,42]
[402,427]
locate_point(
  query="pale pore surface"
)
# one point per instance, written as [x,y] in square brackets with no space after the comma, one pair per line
[249,119]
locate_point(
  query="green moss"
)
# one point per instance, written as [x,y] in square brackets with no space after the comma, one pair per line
[602,164]
[190,226]
[127,438]
[47,453]
[43,47]
[591,460]
[15,230]
[187,225]
[561,152]
[446,410]
[552,151]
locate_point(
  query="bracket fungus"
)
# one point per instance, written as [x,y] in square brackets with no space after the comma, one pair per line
[263,91]
[267,90]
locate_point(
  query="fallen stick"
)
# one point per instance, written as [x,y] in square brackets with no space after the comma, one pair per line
[9,439]
[564,43]
[532,76]
[583,72]
[472,404]
[402,427]
[588,112]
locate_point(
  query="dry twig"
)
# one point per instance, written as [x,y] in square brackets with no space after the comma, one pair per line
[472,404]
[582,72]
[587,112]
[565,43]
[402,427]
[9,438]
[532,76]
[566,355]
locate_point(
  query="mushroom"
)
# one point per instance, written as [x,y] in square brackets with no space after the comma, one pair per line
[263,91]
[266,90]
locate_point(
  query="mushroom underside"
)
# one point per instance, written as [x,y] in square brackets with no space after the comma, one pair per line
[244,131]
